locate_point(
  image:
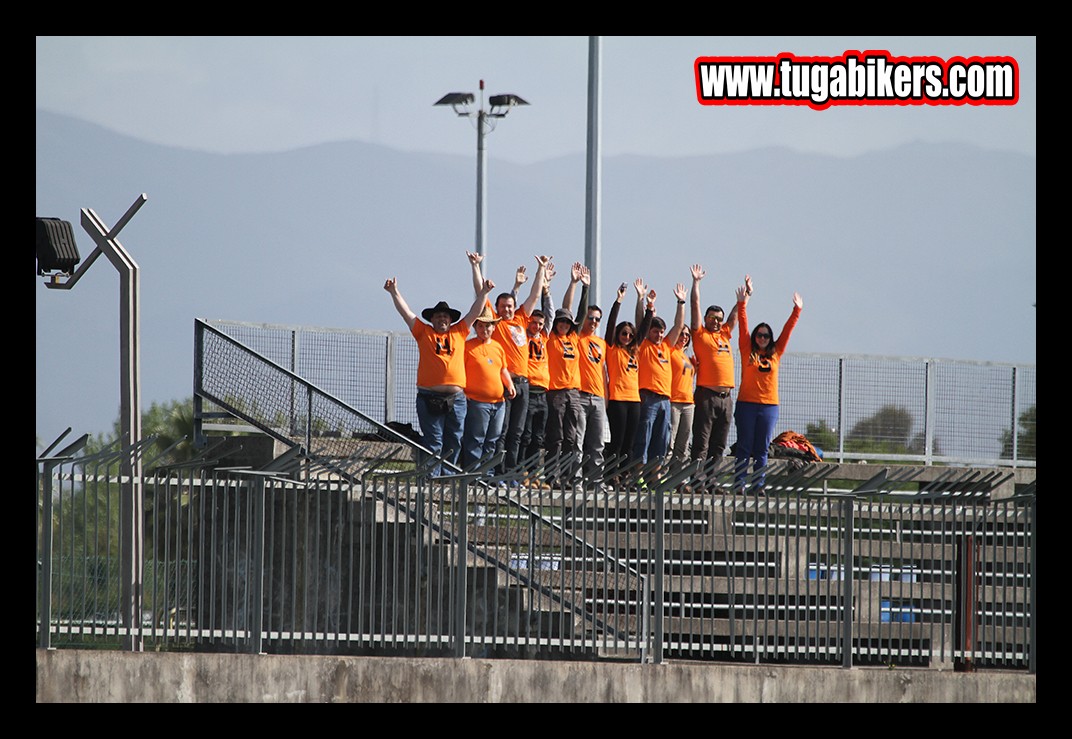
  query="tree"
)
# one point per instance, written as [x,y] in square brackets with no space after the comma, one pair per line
[1025,441]
[172,424]
[887,431]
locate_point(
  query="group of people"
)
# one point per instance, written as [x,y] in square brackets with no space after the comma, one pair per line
[536,383]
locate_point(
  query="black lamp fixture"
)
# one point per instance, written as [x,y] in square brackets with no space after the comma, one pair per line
[56,248]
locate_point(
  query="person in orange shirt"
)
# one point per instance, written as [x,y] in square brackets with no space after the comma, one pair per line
[511,334]
[757,398]
[563,390]
[715,380]
[653,357]
[623,389]
[593,368]
[683,368]
[487,379]
[440,369]
[532,440]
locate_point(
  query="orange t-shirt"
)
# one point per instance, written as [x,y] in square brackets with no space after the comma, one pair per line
[714,357]
[654,361]
[593,357]
[484,363]
[441,356]
[622,372]
[538,373]
[563,367]
[759,379]
[513,338]
[684,377]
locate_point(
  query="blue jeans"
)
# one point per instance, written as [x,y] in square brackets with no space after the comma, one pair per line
[755,429]
[483,426]
[653,428]
[441,432]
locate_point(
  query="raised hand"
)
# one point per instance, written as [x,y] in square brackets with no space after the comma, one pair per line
[474,258]
[586,275]
[575,271]
[748,284]
[641,288]
[621,291]
[742,294]
[798,301]
[698,273]
[521,276]
[680,292]
[391,285]
[488,287]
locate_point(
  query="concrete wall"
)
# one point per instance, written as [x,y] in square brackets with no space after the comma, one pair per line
[84,676]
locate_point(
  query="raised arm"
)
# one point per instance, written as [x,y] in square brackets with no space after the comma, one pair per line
[474,263]
[679,314]
[575,277]
[698,274]
[478,304]
[731,319]
[612,320]
[391,286]
[537,283]
[790,324]
[520,278]
[641,288]
[586,297]
[545,299]
[744,338]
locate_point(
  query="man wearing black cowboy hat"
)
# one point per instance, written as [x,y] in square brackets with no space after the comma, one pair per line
[440,369]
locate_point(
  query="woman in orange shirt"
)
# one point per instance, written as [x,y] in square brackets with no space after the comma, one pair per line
[623,388]
[757,398]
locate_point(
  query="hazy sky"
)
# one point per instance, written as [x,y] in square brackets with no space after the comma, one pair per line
[254,94]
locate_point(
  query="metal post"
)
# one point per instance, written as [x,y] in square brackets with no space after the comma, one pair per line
[131,511]
[593,187]
[481,167]
[847,511]
[659,557]
[461,525]
[44,566]
[257,627]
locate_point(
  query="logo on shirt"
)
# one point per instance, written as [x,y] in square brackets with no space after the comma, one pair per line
[594,354]
[535,350]
[568,350]
[442,345]
[764,365]
[517,335]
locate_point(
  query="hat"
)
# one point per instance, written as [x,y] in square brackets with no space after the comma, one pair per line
[562,314]
[487,315]
[441,307]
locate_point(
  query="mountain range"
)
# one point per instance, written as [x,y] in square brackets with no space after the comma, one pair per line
[921,250]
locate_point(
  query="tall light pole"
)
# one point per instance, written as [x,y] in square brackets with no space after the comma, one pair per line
[485,123]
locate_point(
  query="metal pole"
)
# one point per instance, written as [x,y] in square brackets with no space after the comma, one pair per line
[131,513]
[593,186]
[481,167]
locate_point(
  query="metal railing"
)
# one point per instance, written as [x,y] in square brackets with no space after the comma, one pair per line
[305,558]
[855,407]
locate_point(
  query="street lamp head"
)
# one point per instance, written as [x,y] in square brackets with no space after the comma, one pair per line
[56,248]
[457,100]
[502,104]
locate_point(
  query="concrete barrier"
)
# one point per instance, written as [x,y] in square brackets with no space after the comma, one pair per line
[87,676]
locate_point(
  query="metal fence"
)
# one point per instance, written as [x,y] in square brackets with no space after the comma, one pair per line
[853,407]
[340,556]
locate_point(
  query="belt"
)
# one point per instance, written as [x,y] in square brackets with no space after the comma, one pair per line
[519,378]
[718,393]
